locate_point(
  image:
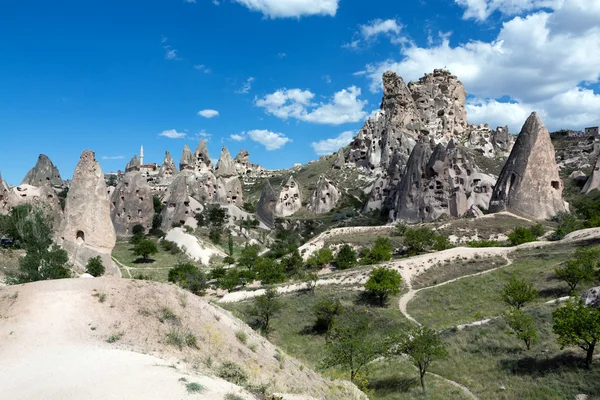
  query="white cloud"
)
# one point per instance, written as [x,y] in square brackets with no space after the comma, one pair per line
[172,134]
[535,60]
[327,79]
[237,138]
[112,157]
[170,52]
[189,1]
[367,33]
[216,2]
[291,8]
[329,146]
[203,134]
[344,107]
[246,86]
[281,56]
[271,140]
[481,9]
[202,68]
[208,113]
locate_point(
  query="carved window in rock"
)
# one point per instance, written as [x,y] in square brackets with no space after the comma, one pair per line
[80,237]
[555,185]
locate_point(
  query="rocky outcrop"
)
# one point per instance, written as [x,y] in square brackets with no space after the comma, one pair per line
[325,197]
[87,230]
[6,197]
[340,160]
[242,162]
[265,209]
[591,297]
[229,191]
[40,197]
[593,182]
[167,170]
[202,159]
[290,199]
[490,143]
[178,205]
[225,166]
[187,160]
[44,173]
[131,204]
[529,183]
[133,165]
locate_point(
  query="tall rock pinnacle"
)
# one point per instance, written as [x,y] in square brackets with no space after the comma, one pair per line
[44,173]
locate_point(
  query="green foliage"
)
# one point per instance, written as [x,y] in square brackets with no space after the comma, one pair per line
[233,373]
[232,396]
[423,346]
[241,336]
[265,308]
[181,338]
[217,273]
[346,257]
[62,198]
[292,263]
[169,246]
[249,256]
[230,244]
[249,207]
[485,243]
[423,239]
[145,248]
[158,205]
[115,337]
[383,283]
[229,260]
[521,235]
[326,309]
[138,229]
[348,346]
[189,277]
[135,239]
[381,251]
[578,325]
[401,228]
[112,181]
[567,223]
[200,219]
[214,234]
[269,271]
[95,267]
[516,293]
[320,258]
[156,223]
[581,268]
[522,326]
[194,387]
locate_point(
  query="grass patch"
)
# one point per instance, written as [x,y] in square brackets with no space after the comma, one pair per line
[242,336]
[166,315]
[101,297]
[233,373]
[182,338]
[443,272]
[232,396]
[115,337]
[193,387]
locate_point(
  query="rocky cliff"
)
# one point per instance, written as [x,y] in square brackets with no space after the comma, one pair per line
[265,209]
[290,199]
[131,204]
[325,196]
[44,173]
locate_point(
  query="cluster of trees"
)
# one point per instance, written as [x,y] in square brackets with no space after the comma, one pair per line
[522,235]
[421,239]
[585,214]
[214,217]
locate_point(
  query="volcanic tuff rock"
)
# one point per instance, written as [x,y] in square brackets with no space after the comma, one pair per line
[225,166]
[593,182]
[202,158]
[242,162]
[490,143]
[325,197]
[178,206]
[87,230]
[591,298]
[290,199]
[40,197]
[133,165]
[167,169]
[187,159]
[131,204]
[6,197]
[44,173]
[229,191]
[529,183]
[265,209]
[340,159]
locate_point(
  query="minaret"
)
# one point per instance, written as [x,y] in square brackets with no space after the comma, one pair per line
[141,155]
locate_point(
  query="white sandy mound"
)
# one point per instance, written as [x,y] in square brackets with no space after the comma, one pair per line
[195,248]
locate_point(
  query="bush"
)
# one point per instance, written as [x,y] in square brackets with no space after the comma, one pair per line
[516,293]
[381,251]
[269,271]
[242,336]
[95,267]
[233,373]
[423,239]
[525,235]
[179,338]
[383,283]
[265,308]
[145,248]
[581,268]
[189,277]
[326,309]
[346,257]
[320,258]
[522,326]
[138,229]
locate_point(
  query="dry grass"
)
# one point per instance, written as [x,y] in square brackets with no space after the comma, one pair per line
[443,272]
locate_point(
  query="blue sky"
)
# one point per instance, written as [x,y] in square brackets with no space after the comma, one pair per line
[282,74]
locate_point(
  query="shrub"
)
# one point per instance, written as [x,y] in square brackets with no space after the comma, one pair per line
[581,268]
[145,248]
[269,271]
[233,373]
[265,308]
[346,257]
[188,277]
[115,337]
[194,387]
[516,293]
[381,251]
[138,229]
[242,336]
[383,283]
[326,309]
[95,267]
[522,326]
[525,235]
[321,258]
[232,396]
[179,338]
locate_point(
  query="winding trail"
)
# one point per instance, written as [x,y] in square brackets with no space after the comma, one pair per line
[128,268]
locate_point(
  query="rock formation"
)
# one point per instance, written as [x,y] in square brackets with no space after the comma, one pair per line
[529,183]
[131,204]
[229,186]
[44,173]
[202,158]
[167,170]
[490,143]
[6,197]
[591,297]
[87,230]
[290,199]
[593,182]
[325,197]
[40,197]
[178,206]
[340,159]
[225,166]
[187,159]
[133,165]
[265,209]
[242,162]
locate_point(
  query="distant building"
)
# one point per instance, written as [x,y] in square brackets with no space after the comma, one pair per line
[150,169]
[592,131]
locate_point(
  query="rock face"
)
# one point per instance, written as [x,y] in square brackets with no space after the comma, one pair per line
[6,198]
[325,197]
[593,182]
[178,206]
[167,170]
[265,209]
[490,143]
[242,162]
[225,166]
[131,204]
[202,157]
[44,173]
[133,165]
[87,230]
[40,197]
[529,183]
[591,298]
[290,199]
[340,159]
[187,159]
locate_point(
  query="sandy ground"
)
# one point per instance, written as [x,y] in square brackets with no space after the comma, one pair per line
[195,248]
[53,345]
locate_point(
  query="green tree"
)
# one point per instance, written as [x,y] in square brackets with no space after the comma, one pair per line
[401,228]
[383,283]
[346,257]
[158,205]
[575,324]
[138,229]
[265,308]
[320,258]
[419,240]
[516,293]
[579,269]
[381,251]
[144,249]
[326,309]
[229,260]
[348,346]
[230,244]
[249,256]
[423,345]
[521,235]
[189,277]
[292,263]
[95,267]
[156,224]
[269,271]
[522,326]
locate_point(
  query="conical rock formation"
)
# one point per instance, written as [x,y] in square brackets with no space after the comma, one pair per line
[265,209]
[325,197]
[290,199]
[87,230]
[168,169]
[179,206]
[529,183]
[187,159]
[133,165]
[593,182]
[131,204]
[225,166]
[44,173]
[202,157]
